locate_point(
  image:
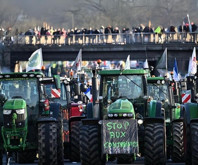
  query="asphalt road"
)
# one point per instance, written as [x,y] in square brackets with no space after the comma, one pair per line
[67,162]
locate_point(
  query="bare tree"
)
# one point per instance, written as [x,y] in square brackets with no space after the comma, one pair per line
[94,13]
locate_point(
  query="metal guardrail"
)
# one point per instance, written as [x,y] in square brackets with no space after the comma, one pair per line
[87,39]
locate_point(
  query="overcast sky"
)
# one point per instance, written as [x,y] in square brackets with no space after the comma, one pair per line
[58,12]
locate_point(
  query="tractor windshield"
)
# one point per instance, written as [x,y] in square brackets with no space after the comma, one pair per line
[21,88]
[158,91]
[128,86]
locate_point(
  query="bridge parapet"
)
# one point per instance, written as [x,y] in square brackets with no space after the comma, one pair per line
[102,39]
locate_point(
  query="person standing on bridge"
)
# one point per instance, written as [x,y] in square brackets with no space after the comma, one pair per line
[147,33]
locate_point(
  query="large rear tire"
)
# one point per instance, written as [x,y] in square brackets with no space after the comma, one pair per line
[47,143]
[60,146]
[90,143]
[194,142]
[56,109]
[154,144]
[178,151]
[74,141]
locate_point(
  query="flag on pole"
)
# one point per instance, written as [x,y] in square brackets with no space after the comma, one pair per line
[192,67]
[189,66]
[175,71]
[127,64]
[35,61]
[50,71]
[78,62]
[190,26]
[162,64]
[146,66]
[20,68]
[185,20]
[88,94]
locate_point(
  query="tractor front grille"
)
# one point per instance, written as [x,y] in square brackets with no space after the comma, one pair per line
[14,142]
[20,121]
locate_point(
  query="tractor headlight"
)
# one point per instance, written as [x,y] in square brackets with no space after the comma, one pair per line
[7,112]
[140,121]
[115,115]
[20,111]
[130,115]
[110,115]
[124,115]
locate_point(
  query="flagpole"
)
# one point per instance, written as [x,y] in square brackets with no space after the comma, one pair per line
[190,27]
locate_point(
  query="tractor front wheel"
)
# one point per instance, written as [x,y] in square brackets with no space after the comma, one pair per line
[55,108]
[154,144]
[90,142]
[178,152]
[194,142]
[47,143]
[74,141]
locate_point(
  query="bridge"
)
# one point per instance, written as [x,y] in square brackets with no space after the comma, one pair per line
[182,51]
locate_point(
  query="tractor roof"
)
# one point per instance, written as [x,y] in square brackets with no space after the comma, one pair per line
[127,71]
[21,75]
[155,78]
[49,80]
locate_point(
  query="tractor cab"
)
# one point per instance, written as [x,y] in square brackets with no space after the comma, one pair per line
[160,89]
[122,85]
[121,90]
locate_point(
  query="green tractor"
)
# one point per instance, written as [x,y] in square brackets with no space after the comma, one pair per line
[188,92]
[28,128]
[122,122]
[161,89]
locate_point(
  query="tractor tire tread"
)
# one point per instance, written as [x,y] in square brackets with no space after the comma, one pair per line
[47,143]
[154,144]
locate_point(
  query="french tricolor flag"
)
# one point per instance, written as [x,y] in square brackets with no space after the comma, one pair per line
[88,94]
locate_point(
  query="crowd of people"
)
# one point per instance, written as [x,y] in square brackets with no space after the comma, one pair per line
[96,35]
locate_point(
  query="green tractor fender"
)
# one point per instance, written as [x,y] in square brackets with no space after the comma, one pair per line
[155,112]
[191,112]
[178,112]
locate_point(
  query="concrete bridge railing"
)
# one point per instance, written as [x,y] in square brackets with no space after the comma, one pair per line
[92,39]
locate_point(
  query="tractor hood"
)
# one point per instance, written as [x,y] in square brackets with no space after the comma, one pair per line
[121,106]
[15,104]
